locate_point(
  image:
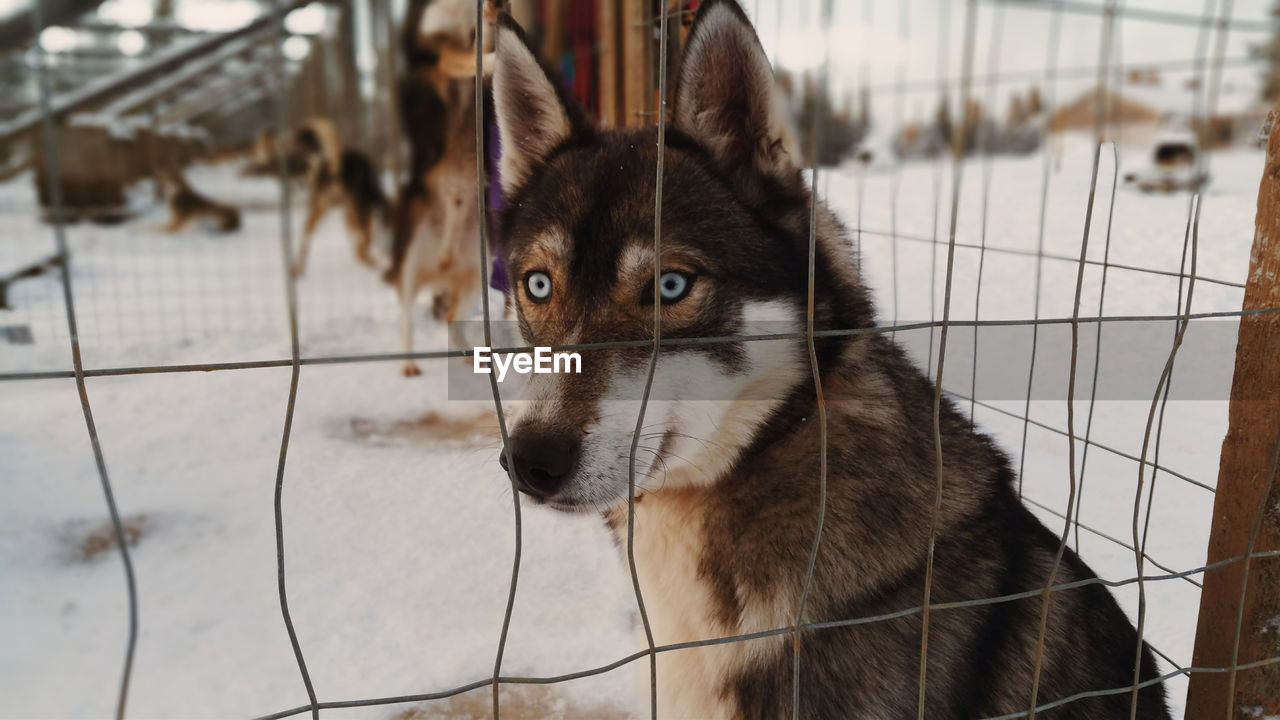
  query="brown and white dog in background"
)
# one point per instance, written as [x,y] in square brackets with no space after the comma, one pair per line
[267,154]
[437,224]
[340,177]
[187,205]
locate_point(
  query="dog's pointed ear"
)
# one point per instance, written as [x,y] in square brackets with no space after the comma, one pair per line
[534,113]
[725,96]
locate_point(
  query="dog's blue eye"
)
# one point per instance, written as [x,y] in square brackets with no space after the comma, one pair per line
[538,285]
[673,286]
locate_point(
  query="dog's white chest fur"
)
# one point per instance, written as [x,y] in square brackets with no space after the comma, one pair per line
[692,683]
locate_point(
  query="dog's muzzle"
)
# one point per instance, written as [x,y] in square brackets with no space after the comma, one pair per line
[542,461]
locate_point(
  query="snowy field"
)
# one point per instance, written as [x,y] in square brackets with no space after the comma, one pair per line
[398,520]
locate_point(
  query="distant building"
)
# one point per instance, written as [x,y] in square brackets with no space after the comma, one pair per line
[1143,107]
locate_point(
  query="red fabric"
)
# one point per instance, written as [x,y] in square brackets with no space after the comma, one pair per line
[580,42]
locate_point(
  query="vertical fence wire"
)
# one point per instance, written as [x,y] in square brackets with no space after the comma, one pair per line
[864,111]
[54,179]
[482,210]
[1049,103]
[817,131]
[653,360]
[1198,114]
[1161,394]
[895,181]
[957,174]
[283,122]
[1099,118]
[1097,338]
[1166,378]
[984,149]
[1112,109]
[944,109]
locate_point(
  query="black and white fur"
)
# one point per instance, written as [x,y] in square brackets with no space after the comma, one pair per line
[346,178]
[727,469]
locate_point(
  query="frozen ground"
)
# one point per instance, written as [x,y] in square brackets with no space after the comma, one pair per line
[398,522]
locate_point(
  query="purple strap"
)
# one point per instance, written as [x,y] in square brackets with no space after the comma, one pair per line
[498,271]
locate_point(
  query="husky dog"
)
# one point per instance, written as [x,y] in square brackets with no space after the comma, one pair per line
[186,205]
[727,478]
[340,177]
[437,226]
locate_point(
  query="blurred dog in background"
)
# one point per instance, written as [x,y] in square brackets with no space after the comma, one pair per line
[187,205]
[341,177]
[438,219]
[263,157]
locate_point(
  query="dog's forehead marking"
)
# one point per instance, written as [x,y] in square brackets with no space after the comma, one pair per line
[554,242]
[549,247]
[635,259]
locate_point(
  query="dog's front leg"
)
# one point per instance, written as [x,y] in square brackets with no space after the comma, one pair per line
[316,208]
[360,228]
[176,223]
[409,279]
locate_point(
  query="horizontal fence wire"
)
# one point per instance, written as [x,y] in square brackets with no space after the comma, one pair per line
[1125,12]
[1104,536]
[811,626]
[551,680]
[1091,443]
[614,344]
[1075,72]
[1054,256]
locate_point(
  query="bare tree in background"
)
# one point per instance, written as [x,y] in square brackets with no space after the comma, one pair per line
[1270,51]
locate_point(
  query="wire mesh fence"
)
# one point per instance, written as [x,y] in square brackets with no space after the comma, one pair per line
[970,225]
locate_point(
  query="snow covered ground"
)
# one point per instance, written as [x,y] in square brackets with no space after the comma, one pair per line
[398,521]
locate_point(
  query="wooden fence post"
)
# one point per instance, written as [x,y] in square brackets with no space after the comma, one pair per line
[1246,508]
[609,38]
[636,39]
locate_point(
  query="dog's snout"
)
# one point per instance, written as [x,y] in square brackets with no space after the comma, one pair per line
[542,461]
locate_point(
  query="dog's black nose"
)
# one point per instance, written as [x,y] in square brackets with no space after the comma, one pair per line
[542,461]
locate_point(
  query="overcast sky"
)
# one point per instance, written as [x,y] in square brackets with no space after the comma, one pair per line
[873,41]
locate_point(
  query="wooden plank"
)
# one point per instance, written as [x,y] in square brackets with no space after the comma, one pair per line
[608,77]
[524,12]
[553,31]
[1246,508]
[92,178]
[635,62]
